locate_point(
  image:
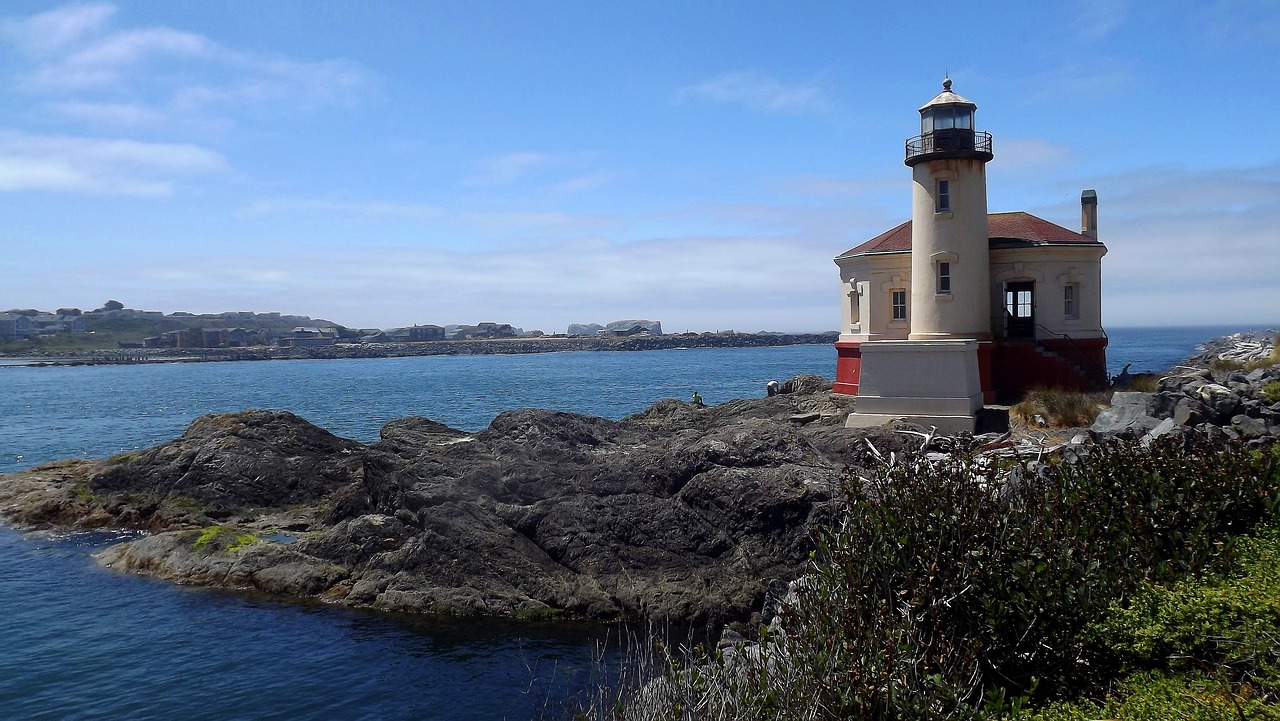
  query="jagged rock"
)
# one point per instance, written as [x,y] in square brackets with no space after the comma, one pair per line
[1222,401]
[1130,411]
[227,463]
[679,512]
[1165,427]
[1189,412]
[806,384]
[1249,427]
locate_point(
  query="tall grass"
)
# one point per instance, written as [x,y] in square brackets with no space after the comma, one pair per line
[1057,408]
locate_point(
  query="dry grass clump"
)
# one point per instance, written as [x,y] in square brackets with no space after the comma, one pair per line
[1057,408]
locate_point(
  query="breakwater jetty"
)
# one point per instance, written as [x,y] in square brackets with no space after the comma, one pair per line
[495,346]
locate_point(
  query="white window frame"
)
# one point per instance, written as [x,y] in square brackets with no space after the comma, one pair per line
[944,277]
[1071,301]
[943,197]
[899,310]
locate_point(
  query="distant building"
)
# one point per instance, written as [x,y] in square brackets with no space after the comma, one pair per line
[632,327]
[309,337]
[481,331]
[414,334]
[16,326]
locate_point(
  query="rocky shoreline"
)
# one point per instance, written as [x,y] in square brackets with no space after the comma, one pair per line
[1229,390]
[682,512]
[495,346]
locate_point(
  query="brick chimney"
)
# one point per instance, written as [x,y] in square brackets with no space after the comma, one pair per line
[1089,214]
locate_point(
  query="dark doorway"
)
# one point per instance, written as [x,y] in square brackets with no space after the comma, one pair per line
[1019,310]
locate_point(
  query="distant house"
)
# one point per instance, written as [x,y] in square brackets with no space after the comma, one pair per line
[243,337]
[182,338]
[15,326]
[483,330]
[213,337]
[309,337]
[414,334]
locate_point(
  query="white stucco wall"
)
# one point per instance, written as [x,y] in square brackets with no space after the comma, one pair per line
[958,237]
[1051,268]
[874,276]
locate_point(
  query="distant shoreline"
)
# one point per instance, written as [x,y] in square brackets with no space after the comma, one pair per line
[496,346]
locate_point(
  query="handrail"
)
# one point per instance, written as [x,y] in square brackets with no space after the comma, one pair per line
[949,139]
[1079,351]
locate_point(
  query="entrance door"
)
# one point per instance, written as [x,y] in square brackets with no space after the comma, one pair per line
[1019,310]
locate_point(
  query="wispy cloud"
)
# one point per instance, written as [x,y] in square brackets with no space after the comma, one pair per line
[77,58]
[56,29]
[381,209]
[1017,155]
[1189,246]
[117,114]
[508,169]
[99,165]
[1092,79]
[1097,19]
[758,92]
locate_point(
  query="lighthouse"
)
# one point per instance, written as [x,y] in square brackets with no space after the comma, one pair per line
[959,306]
[949,253]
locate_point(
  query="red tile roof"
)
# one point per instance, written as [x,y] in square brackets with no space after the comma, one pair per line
[1016,227]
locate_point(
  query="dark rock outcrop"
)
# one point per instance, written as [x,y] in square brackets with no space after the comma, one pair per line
[679,512]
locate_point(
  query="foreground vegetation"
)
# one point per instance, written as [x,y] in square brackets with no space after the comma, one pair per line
[1132,583]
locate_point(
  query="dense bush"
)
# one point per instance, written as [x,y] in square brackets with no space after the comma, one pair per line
[957,588]
[1211,645]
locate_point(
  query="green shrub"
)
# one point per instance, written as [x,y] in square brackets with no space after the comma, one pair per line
[1271,392]
[1230,624]
[1157,696]
[956,589]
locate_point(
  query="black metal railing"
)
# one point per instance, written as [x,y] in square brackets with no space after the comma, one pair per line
[948,140]
[1078,356]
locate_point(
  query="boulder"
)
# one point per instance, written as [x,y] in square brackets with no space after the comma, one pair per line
[1129,412]
[1219,399]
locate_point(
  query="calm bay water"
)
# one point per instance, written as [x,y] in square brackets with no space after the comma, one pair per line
[77,642]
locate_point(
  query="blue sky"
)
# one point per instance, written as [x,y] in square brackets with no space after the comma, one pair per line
[382,164]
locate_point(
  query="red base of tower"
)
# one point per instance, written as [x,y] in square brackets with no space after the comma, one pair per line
[1009,368]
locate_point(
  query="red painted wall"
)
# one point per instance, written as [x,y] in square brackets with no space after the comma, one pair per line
[1009,368]
[848,367]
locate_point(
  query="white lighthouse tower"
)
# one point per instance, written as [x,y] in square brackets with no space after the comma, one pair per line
[950,261]
[933,377]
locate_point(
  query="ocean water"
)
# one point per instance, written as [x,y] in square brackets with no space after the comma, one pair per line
[78,642]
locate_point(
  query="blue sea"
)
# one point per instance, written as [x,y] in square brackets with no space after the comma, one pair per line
[78,642]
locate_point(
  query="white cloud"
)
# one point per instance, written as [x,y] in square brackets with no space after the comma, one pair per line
[1029,155]
[509,168]
[56,29]
[119,114]
[98,165]
[415,211]
[687,282]
[1097,19]
[758,92]
[1190,246]
[76,58]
